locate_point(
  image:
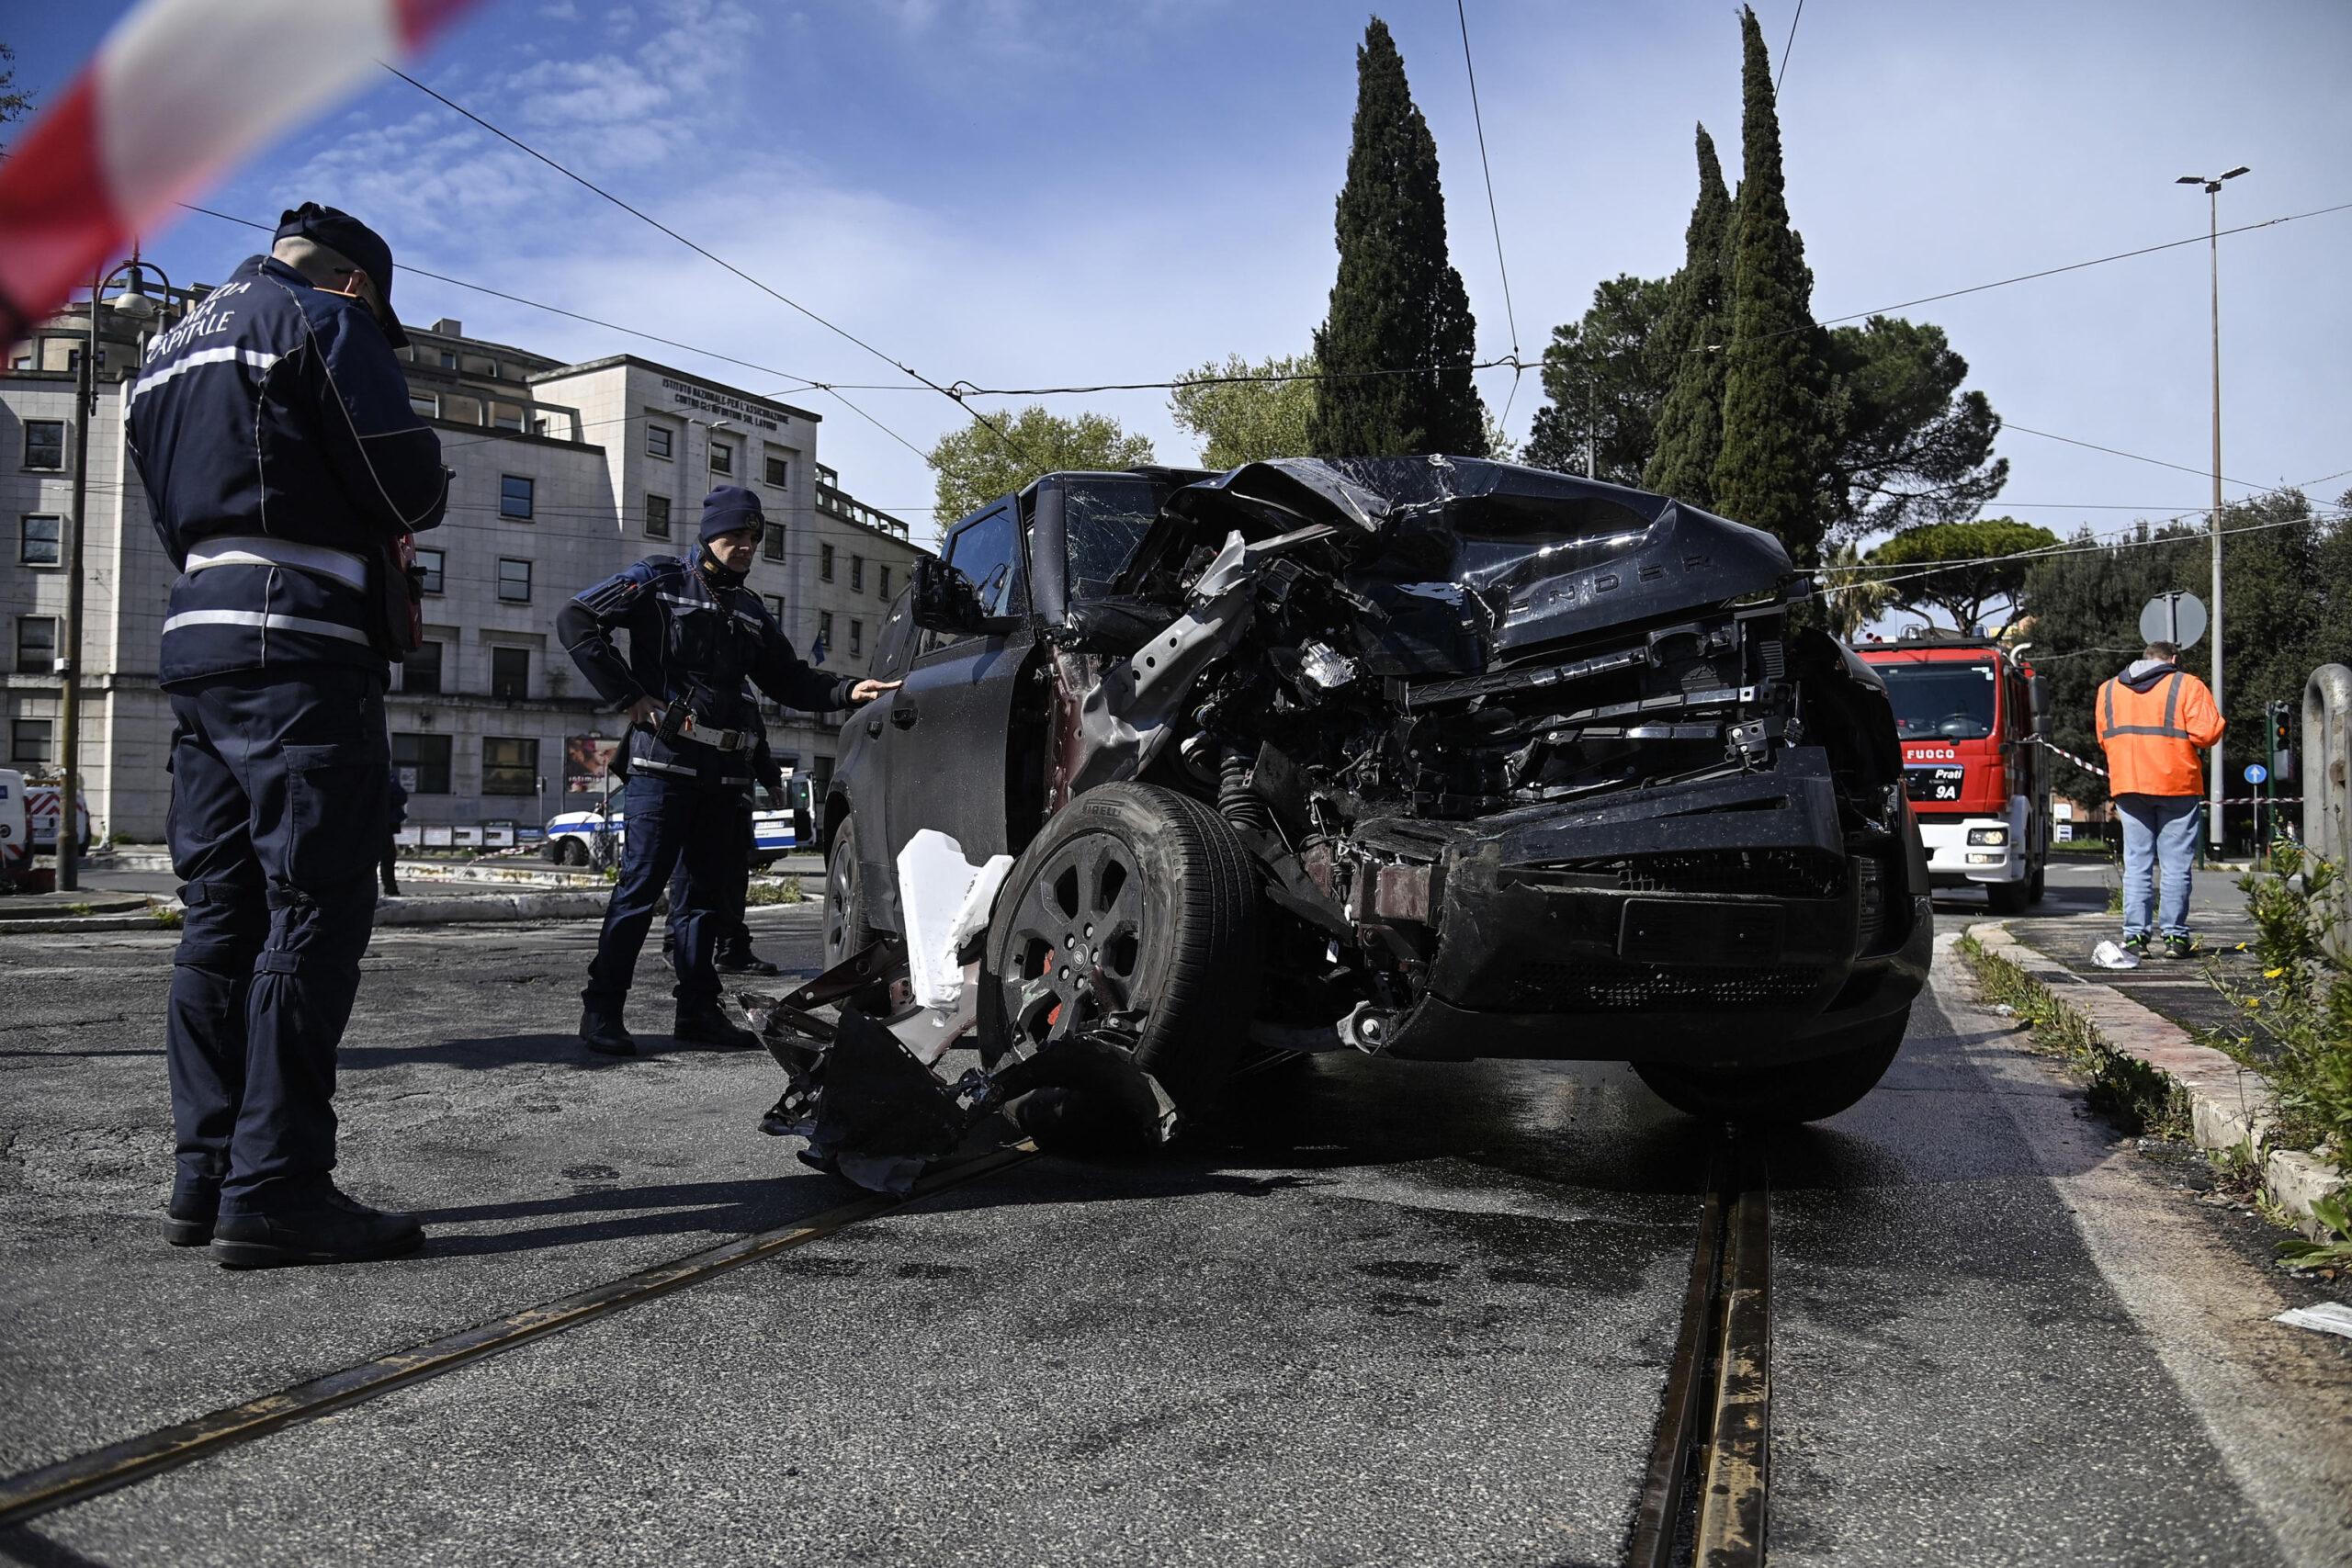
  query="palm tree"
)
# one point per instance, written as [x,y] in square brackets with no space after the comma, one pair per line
[1855,597]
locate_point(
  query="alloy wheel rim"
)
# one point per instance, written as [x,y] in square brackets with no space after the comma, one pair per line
[1075,950]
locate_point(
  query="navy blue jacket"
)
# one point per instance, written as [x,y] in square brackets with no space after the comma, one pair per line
[693,640]
[274,431]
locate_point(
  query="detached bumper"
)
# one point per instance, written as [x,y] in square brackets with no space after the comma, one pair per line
[1726,921]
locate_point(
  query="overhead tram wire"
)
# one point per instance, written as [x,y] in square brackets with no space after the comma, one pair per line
[776,294]
[1493,217]
[1783,75]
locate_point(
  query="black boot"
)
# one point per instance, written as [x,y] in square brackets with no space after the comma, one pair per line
[705,1022]
[332,1228]
[604,1034]
[737,958]
[187,1221]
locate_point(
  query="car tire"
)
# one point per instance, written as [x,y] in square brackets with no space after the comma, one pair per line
[1161,896]
[2008,898]
[552,851]
[1807,1090]
[847,931]
[575,853]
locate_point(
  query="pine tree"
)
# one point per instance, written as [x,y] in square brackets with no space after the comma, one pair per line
[1689,424]
[1398,305]
[1777,420]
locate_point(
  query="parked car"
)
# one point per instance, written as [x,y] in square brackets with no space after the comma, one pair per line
[1429,758]
[781,826]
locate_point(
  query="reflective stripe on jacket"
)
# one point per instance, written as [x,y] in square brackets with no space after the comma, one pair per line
[2152,735]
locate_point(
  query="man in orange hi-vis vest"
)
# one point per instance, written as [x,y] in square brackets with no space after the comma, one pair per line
[2153,719]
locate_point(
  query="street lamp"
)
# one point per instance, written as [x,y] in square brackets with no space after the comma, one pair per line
[2212,184]
[140,308]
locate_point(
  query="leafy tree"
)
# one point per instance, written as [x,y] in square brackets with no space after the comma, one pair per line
[1963,588]
[1397,346]
[1910,447]
[1855,597]
[14,106]
[1690,424]
[1605,379]
[975,465]
[1242,421]
[1778,421]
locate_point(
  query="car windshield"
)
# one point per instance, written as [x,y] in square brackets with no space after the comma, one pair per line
[1104,520]
[1950,701]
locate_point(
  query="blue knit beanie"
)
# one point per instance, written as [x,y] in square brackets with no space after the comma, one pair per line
[728,508]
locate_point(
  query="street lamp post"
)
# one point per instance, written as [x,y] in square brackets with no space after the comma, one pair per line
[2212,184]
[138,304]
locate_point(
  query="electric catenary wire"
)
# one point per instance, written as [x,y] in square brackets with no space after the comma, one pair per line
[1783,75]
[1493,216]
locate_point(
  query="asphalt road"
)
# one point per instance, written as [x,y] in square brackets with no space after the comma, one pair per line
[1396,1313]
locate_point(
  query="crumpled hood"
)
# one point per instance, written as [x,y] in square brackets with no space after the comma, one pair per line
[1531,557]
[2144,674]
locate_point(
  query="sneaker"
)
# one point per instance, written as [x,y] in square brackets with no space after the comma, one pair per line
[189,1219]
[2179,947]
[604,1034]
[2137,946]
[706,1022]
[332,1228]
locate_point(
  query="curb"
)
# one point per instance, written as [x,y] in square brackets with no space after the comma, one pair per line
[477,907]
[2229,1107]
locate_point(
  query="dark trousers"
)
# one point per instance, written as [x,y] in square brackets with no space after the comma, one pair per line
[280,797]
[673,825]
[730,935]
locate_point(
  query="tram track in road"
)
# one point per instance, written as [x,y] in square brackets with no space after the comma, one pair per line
[1702,1499]
[30,1494]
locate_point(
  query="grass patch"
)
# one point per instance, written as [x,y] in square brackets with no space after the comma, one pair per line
[2146,1101]
[170,920]
[781,890]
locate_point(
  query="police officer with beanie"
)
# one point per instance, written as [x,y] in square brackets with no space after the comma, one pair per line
[695,635]
[285,471]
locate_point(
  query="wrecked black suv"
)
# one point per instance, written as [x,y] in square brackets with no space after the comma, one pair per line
[1426,758]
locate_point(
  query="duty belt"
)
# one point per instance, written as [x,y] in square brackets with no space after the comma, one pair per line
[253,550]
[718,739]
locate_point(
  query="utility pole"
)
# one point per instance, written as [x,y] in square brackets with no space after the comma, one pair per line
[2212,184]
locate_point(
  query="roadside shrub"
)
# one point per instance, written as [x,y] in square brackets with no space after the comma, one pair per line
[2304,1012]
[781,890]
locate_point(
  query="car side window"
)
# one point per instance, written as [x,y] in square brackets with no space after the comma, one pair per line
[988,550]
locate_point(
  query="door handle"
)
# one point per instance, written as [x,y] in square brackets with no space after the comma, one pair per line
[903,715]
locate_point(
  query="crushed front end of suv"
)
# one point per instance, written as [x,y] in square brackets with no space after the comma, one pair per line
[1428,758]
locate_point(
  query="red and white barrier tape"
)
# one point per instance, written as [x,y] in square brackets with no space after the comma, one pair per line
[2234,800]
[2078,761]
[178,93]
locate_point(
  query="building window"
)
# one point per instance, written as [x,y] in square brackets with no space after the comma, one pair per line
[509,766]
[422,762]
[825,562]
[779,472]
[421,671]
[772,542]
[657,516]
[424,405]
[37,544]
[480,365]
[35,644]
[449,360]
[514,496]
[510,672]
[722,457]
[29,741]
[858,574]
[656,441]
[856,639]
[44,443]
[506,416]
[776,606]
[884,585]
[428,570]
[824,628]
[513,581]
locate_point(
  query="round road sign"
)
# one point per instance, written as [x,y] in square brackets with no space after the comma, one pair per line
[2256,772]
[2177,617]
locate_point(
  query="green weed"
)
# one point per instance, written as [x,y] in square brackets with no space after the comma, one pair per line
[2143,1100]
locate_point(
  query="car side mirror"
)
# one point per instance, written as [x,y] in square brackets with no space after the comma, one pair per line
[945,600]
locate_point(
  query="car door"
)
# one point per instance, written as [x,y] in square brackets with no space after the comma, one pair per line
[946,739]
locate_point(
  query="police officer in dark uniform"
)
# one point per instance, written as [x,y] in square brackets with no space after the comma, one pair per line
[286,470]
[730,945]
[697,635]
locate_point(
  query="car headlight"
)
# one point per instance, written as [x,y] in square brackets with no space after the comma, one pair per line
[1988,835]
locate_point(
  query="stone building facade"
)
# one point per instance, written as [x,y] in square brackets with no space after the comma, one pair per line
[563,474]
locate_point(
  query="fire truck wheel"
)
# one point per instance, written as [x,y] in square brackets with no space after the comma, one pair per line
[2008,898]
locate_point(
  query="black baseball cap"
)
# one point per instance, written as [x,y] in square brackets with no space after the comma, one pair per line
[339,231]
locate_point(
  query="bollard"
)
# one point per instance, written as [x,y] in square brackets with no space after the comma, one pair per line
[2327,782]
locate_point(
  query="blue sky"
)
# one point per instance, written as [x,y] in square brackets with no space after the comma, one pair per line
[1021,192]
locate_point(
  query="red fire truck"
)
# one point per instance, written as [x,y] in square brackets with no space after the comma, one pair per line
[1969,711]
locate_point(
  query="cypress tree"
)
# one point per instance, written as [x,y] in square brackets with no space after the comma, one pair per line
[1776,418]
[1690,423]
[1397,305]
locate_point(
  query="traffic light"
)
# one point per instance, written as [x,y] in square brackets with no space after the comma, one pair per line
[2282,745]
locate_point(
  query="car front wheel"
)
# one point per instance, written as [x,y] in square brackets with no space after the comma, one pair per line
[1797,1091]
[848,933]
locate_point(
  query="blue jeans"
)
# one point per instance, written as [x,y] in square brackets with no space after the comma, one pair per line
[2159,833]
